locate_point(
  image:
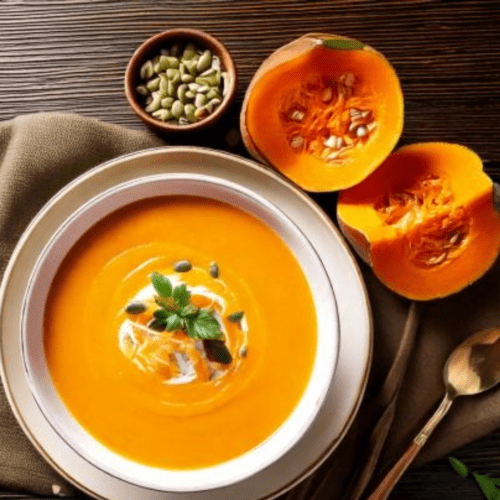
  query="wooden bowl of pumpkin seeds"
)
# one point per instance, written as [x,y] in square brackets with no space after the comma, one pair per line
[180,80]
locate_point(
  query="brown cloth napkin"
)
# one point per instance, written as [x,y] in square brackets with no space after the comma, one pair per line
[41,153]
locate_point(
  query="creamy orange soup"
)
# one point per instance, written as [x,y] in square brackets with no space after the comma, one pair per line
[155,397]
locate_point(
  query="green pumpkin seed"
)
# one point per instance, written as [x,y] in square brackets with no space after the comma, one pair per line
[153,84]
[157,324]
[142,90]
[176,49]
[181,92]
[200,100]
[236,317]
[147,70]
[190,94]
[209,72]
[204,62]
[163,64]
[209,107]
[225,83]
[216,63]
[170,88]
[203,89]
[189,52]
[171,73]
[184,121]
[216,350]
[189,110]
[173,62]
[167,102]
[149,99]
[182,266]
[177,109]
[193,86]
[163,87]
[155,104]
[213,94]
[214,270]
[163,114]
[191,67]
[215,102]
[135,307]
[187,78]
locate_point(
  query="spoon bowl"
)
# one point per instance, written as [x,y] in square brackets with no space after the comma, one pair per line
[474,366]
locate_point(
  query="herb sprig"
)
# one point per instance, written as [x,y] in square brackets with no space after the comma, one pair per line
[177,312]
[490,486]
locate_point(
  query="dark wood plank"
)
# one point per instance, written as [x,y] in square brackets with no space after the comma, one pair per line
[70,55]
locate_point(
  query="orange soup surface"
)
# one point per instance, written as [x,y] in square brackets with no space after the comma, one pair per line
[158,397]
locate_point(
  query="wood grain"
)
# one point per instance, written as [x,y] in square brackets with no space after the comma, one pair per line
[70,55]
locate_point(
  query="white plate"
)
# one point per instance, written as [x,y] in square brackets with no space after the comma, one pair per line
[344,394]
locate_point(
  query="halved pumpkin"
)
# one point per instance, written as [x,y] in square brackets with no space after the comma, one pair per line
[425,220]
[324,110]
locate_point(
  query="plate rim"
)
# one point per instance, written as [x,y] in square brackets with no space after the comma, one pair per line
[327,223]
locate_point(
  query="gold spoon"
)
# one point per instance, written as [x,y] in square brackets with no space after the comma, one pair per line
[473,367]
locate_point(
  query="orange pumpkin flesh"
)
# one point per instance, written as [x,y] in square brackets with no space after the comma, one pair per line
[425,220]
[325,118]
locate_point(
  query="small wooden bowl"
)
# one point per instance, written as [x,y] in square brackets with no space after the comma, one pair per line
[165,39]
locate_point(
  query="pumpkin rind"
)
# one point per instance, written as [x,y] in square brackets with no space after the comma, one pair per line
[308,61]
[425,220]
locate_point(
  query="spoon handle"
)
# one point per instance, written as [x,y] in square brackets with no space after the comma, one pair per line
[394,475]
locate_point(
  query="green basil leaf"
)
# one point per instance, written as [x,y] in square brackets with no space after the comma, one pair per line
[174,322]
[161,284]
[460,467]
[203,326]
[181,295]
[161,314]
[342,44]
[488,486]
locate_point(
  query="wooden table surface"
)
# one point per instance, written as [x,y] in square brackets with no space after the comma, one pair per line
[70,55]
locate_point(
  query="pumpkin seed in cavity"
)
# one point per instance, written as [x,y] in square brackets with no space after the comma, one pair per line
[182,266]
[214,270]
[135,307]
[236,317]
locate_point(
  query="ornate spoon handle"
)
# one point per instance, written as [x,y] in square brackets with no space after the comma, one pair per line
[394,475]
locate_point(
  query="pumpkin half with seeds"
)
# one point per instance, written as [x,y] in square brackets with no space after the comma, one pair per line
[323,110]
[425,220]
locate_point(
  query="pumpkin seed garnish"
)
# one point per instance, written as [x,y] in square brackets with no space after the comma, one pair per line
[182,266]
[135,307]
[157,325]
[216,350]
[214,270]
[236,317]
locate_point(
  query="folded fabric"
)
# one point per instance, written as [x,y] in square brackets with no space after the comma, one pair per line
[41,153]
